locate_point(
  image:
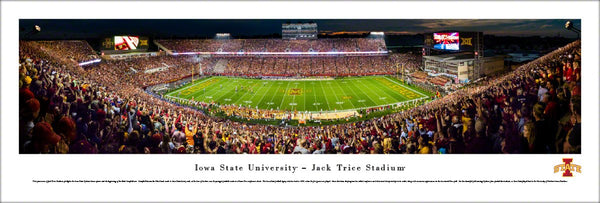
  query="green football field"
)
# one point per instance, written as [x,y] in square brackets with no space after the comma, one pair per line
[301,95]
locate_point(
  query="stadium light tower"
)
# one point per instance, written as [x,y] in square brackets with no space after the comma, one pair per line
[223,36]
[376,34]
[569,26]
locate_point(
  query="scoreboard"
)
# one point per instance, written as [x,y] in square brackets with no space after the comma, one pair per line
[452,41]
[446,41]
[125,43]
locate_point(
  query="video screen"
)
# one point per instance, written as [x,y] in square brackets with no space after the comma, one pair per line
[126,42]
[446,41]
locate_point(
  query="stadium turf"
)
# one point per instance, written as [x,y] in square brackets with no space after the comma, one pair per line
[301,95]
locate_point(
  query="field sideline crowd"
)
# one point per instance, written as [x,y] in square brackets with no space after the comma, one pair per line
[65,108]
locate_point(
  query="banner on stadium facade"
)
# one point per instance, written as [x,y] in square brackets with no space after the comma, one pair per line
[467,41]
[125,43]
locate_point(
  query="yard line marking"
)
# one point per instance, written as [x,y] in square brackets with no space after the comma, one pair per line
[387,90]
[325,95]
[209,92]
[337,101]
[284,91]
[244,95]
[275,93]
[367,87]
[304,96]
[336,97]
[349,100]
[315,98]
[265,94]
[294,97]
[365,94]
[391,93]
[352,89]
[201,94]
[254,93]
[226,93]
[227,89]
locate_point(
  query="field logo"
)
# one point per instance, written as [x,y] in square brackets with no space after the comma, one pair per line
[567,167]
[295,92]
[466,41]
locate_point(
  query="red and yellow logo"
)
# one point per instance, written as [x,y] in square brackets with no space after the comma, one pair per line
[295,92]
[567,167]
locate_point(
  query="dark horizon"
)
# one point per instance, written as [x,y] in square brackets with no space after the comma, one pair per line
[206,28]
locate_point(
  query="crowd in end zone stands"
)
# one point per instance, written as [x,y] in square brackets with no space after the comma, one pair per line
[319,66]
[133,71]
[79,51]
[65,108]
[316,66]
[274,45]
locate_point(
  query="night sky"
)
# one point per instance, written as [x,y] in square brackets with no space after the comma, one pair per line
[187,28]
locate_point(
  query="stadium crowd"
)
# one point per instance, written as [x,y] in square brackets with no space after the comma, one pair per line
[147,71]
[65,108]
[320,66]
[76,50]
[274,45]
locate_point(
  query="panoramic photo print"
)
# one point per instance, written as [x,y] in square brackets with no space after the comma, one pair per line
[288,86]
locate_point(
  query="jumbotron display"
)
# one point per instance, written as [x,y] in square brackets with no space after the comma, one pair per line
[126,42]
[446,41]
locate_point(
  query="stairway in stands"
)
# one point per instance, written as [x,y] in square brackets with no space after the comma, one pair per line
[220,66]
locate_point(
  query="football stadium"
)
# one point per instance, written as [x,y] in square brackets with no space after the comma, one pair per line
[301,92]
